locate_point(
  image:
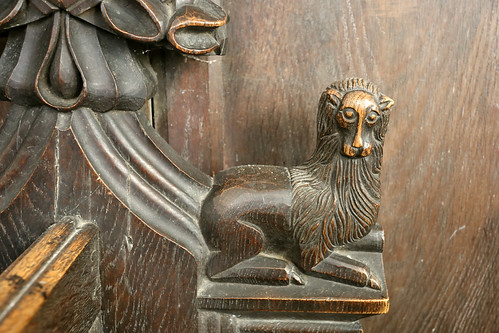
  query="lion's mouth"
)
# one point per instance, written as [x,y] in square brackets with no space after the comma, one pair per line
[354,152]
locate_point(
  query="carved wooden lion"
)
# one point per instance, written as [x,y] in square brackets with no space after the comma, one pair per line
[257,219]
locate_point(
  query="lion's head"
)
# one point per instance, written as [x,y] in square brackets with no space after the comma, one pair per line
[357,113]
[336,193]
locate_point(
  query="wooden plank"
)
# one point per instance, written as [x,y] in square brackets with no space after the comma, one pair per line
[54,285]
[188,108]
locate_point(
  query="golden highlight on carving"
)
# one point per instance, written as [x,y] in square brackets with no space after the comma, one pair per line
[348,158]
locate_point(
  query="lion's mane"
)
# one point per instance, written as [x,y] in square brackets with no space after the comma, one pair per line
[336,199]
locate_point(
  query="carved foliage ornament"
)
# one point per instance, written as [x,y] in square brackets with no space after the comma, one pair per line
[73,53]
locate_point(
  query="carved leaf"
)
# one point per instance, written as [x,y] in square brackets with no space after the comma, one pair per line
[59,83]
[75,7]
[143,20]
[65,77]
[38,38]
[194,27]
[65,63]
[9,59]
[9,9]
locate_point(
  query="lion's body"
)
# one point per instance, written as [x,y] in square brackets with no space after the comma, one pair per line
[303,213]
[238,191]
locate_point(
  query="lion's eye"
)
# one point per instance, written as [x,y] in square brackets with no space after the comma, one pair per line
[372,117]
[349,115]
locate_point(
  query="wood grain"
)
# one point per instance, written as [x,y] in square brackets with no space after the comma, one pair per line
[4,109]
[54,286]
[227,323]
[440,207]
[17,230]
[138,284]
[438,61]
[190,105]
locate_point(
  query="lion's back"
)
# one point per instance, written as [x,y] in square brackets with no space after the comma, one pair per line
[254,193]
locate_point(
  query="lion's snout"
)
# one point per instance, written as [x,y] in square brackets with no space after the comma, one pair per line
[356,152]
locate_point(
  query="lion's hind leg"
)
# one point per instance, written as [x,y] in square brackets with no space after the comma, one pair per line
[261,269]
[239,259]
[236,241]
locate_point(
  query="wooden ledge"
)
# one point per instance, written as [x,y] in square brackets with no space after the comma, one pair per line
[54,285]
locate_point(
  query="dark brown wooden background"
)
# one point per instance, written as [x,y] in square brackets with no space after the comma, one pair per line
[439,60]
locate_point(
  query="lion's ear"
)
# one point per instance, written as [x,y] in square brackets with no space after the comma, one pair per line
[385,102]
[333,93]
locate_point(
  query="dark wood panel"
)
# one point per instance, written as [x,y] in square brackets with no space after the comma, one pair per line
[438,60]
[188,107]
[23,221]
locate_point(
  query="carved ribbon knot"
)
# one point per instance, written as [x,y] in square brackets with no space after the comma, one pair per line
[75,7]
[74,53]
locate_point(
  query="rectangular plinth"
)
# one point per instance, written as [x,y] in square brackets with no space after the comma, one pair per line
[316,296]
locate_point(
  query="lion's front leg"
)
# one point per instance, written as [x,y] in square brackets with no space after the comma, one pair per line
[344,269]
[259,270]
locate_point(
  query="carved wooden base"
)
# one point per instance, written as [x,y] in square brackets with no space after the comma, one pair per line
[213,322]
[317,306]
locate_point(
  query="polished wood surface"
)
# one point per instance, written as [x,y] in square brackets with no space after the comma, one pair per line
[438,60]
[137,282]
[439,207]
[54,286]
[4,109]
